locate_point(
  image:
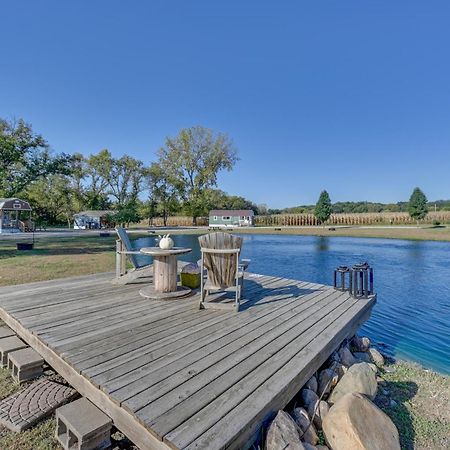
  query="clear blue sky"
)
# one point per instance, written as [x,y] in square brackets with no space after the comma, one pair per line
[349,96]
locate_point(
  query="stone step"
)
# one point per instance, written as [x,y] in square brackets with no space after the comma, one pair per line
[23,409]
[25,364]
[6,332]
[80,425]
[7,345]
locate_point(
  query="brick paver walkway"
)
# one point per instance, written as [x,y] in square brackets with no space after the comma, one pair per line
[23,409]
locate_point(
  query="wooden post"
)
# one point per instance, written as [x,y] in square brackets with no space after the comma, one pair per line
[120,259]
[165,273]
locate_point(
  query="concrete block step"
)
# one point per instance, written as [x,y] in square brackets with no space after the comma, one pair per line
[25,364]
[80,425]
[7,345]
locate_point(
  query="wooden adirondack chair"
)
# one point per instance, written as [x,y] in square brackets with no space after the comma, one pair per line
[125,250]
[220,258]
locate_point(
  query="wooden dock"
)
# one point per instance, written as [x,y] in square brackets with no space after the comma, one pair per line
[173,376]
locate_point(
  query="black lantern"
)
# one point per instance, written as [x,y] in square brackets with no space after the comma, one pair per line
[362,283]
[339,278]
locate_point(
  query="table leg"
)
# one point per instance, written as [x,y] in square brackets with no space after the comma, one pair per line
[165,273]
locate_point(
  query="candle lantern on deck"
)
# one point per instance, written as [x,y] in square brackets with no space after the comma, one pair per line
[362,280]
[340,274]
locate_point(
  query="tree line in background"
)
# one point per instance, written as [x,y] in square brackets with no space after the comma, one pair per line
[182,181]
[417,206]
[363,207]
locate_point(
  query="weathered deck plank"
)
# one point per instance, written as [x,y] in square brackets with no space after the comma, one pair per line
[189,397]
[170,375]
[205,369]
[219,319]
[199,348]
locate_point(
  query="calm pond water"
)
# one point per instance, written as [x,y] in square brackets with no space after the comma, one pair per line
[412,280]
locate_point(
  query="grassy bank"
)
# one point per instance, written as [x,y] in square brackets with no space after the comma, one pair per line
[418,402]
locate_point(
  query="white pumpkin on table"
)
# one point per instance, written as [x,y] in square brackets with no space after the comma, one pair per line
[166,242]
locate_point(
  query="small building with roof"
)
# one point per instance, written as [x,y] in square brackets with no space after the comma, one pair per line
[222,218]
[15,216]
[91,220]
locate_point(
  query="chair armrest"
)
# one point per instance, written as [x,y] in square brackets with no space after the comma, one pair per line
[126,252]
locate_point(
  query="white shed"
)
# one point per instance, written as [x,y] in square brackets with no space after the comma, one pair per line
[91,220]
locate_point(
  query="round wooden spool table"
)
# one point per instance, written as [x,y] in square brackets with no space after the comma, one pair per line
[165,284]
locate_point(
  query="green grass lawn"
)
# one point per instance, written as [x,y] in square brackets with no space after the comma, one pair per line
[56,258]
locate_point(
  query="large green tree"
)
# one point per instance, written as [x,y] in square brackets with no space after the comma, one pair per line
[417,206]
[25,157]
[125,179]
[53,199]
[125,214]
[192,161]
[323,207]
[163,195]
[218,199]
[119,178]
[95,169]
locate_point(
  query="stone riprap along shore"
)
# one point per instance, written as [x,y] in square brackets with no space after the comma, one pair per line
[334,409]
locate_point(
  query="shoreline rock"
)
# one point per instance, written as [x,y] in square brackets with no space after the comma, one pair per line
[376,357]
[354,422]
[283,433]
[336,400]
[360,378]
[308,430]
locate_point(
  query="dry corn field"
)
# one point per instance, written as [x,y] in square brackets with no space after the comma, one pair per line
[351,219]
[384,218]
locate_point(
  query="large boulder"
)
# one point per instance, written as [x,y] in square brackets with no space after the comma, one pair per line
[376,357]
[355,423]
[346,356]
[360,378]
[283,433]
[308,430]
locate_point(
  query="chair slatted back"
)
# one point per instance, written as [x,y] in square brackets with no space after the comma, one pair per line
[123,236]
[222,268]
